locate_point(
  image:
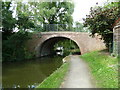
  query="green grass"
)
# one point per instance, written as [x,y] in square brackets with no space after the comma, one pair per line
[55,79]
[104,68]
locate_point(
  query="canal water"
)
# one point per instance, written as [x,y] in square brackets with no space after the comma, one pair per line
[29,73]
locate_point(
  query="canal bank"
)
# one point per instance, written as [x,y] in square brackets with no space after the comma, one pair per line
[74,73]
[57,77]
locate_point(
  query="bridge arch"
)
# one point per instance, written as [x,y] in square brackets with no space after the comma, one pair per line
[45,47]
[82,39]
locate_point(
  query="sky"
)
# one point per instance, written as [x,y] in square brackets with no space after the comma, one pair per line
[82,8]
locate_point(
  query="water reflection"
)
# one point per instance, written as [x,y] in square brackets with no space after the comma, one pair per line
[29,73]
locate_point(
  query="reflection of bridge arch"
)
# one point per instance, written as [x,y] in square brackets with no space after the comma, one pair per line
[41,42]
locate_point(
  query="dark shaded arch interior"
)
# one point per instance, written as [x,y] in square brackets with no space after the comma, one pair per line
[47,47]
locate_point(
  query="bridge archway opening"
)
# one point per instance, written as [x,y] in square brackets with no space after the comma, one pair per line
[47,47]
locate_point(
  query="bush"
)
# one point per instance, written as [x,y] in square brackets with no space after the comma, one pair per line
[101,20]
[14,47]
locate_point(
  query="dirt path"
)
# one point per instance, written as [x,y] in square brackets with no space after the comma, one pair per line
[78,75]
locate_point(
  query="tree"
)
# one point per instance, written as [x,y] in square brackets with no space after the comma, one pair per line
[53,13]
[24,20]
[8,22]
[101,20]
[13,44]
[14,47]
[45,15]
[79,27]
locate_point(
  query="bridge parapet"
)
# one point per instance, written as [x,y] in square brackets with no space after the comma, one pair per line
[60,27]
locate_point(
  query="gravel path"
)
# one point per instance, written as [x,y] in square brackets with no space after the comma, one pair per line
[78,75]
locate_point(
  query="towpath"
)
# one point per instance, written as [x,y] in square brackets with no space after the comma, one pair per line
[78,75]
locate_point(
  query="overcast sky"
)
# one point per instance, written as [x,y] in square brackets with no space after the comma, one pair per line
[82,8]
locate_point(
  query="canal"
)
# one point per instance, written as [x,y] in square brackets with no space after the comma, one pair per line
[29,73]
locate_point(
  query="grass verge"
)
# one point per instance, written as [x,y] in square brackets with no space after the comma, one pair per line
[55,79]
[104,68]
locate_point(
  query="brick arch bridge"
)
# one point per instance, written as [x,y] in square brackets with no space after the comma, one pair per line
[42,43]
